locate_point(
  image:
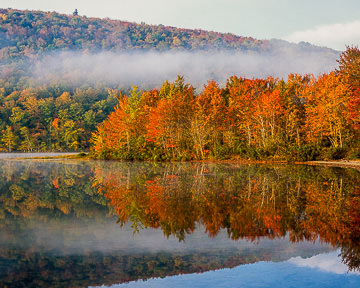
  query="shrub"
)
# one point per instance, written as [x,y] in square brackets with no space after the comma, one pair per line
[334,153]
[309,152]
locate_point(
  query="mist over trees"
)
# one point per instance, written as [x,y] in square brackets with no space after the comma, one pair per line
[303,118]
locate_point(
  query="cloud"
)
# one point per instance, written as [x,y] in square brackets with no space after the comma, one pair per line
[328,262]
[335,36]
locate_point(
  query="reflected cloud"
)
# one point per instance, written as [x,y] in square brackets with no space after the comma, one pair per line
[328,262]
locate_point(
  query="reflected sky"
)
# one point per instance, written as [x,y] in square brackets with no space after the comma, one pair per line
[75,237]
[323,270]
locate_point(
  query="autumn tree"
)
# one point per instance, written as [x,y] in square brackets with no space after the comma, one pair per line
[349,73]
[255,108]
[349,66]
[326,111]
[267,117]
[208,121]
[294,105]
[170,121]
[241,95]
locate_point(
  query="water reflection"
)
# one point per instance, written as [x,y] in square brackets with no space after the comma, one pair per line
[58,219]
[250,202]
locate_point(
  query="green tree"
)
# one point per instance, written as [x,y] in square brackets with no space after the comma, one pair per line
[9,138]
[27,143]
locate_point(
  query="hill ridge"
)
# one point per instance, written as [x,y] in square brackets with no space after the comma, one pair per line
[29,32]
[25,31]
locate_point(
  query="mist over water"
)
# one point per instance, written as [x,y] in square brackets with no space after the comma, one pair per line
[34,155]
[150,69]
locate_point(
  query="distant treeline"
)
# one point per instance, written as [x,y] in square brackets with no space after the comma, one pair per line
[24,33]
[305,118]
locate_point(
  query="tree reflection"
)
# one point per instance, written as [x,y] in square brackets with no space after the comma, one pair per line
[38,189]
[250,202]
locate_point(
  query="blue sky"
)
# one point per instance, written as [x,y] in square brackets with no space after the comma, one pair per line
[331,23]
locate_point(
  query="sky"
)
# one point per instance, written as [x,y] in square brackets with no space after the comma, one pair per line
[330,23]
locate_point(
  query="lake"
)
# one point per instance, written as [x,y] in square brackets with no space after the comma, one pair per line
[72,223]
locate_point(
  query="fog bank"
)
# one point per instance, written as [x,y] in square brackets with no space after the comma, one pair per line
[151,69]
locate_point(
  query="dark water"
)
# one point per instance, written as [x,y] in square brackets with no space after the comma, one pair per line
[68,223]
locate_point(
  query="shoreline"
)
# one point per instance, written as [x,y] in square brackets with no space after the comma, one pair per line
[355,164]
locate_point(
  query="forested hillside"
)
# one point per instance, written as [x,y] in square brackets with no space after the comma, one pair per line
[34,32]
[59,74]
[28,33]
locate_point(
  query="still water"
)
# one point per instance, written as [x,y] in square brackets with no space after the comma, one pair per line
[68,223]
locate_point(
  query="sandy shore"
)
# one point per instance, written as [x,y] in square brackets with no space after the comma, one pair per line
[338,163]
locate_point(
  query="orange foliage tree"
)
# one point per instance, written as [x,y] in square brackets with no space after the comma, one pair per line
[326,110]
[208,122]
